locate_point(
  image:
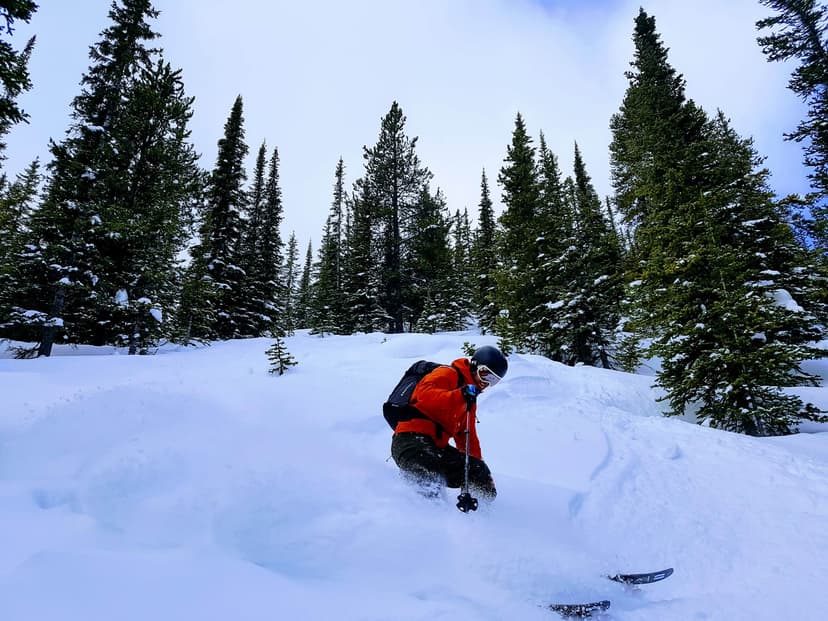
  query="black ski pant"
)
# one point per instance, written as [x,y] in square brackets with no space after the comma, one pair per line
[418,456]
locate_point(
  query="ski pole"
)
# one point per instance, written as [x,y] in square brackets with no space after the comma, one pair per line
[465,501]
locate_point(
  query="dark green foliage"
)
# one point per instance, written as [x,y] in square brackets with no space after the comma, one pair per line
[393,183]
[280,358]
[260,257]
[585,280]
[361,278]
[19,263]
[797,31]
[485,261]
[303,295]
[290,281]
[14,70]
[517,291]
[434,297]
[715,262]
[122,183]
[213,299]
[329,304]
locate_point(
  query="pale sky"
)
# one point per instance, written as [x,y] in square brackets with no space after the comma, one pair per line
[317,77]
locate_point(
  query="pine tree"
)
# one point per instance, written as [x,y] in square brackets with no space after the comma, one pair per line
[304,292]
[716,261]
[261,250]
[213,296]
[798,32]
[280,358]
[16,271]
[270,260]
[429,263]
[485,260]
[394,179]
[156,182]
[112,218]
[252,320]
[585,292]
[361,278]
[290,279]
[516,285]
[733,332]
[14,67]
[329,304]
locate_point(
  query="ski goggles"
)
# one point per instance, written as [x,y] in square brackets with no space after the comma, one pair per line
[487,376]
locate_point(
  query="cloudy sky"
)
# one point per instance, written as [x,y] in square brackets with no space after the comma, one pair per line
[317,76]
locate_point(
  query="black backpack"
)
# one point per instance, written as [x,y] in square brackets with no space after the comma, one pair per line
[398,407]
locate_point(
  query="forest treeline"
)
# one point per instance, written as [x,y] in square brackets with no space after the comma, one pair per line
[123,239]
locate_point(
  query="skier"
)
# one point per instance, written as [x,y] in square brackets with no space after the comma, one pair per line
[443,408]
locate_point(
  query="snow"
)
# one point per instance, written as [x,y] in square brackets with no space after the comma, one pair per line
[194,485]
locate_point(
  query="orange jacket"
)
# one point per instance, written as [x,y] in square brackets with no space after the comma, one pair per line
[438,397]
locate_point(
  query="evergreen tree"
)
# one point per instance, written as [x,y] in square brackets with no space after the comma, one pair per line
[16,272]
[112,218]
[652,136]
[463,276]
[485,260]
[516,286]
[267,269]
[361,279]
[290,279]
[329,304]
[394,179]
[14,67]
[798,32]
[716,261]
[280,358]
[733,333]
[156,182]
[586,291]
[213,298]
[304,293]
[429,264]
[556,234]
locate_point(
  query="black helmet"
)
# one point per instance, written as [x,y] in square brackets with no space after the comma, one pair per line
[492,358]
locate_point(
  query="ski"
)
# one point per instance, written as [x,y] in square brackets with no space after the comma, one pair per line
[580,611]
[646,578]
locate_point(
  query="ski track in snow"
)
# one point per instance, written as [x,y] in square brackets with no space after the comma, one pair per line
[192,484]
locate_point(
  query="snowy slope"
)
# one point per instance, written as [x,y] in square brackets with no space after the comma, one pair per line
[193,485]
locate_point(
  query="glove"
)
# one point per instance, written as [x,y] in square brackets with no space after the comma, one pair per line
[470,392]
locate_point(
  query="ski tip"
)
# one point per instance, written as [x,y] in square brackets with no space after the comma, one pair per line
[644,578]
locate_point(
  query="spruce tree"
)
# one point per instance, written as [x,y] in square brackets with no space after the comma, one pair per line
[517,294]
[585,290]
[716,262]
[270,258]
[304,293]
[213,296]
[280,358]
[429,263]
[733,332]
[112,218]
[797,31]
[393,182]
[361,279]
[252,321]
[14,67]
[19,267]
[485,261]
[328,303]
[290,280]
